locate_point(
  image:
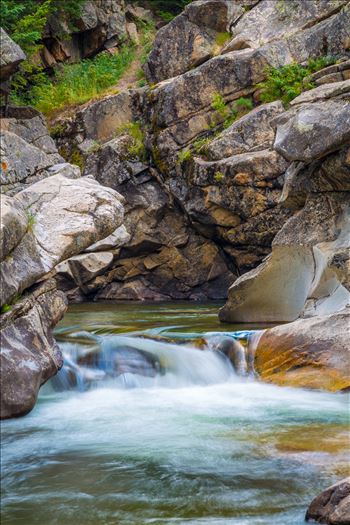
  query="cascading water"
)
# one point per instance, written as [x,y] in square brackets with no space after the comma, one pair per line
[157,418]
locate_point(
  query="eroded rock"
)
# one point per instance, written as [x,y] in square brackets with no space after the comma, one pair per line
[308,353]
[332,506]
[29,353]
[65,216]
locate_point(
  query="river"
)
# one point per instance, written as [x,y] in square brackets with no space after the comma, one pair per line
[195,444]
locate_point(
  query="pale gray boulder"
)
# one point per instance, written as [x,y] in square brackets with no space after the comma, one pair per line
[65,217]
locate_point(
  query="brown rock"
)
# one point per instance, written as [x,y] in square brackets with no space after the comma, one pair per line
[332,506]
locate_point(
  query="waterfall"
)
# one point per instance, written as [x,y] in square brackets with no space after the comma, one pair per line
[130,362]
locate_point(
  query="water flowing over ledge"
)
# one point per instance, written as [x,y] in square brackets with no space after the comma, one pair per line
[188,440]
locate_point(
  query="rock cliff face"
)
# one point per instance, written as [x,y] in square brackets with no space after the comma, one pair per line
[102,25]
[48,214]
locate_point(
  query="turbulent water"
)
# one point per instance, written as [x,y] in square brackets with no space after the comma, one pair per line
[186,441]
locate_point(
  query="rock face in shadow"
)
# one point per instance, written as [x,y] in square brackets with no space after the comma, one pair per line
[332,506]
[29,354]
[308,353]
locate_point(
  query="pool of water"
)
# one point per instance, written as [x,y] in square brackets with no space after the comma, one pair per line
[207,448]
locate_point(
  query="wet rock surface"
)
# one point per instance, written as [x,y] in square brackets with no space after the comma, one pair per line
[332,506]
[308,353]
[29,354]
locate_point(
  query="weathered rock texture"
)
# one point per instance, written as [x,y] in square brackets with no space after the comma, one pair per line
[308,269]
[11,55]
[191,38]
[64,216]
[199,186]
[29,354]
[332,506]
[155,260]
[308,353]
[48,214]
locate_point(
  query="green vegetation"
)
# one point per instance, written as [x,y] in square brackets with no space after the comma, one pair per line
[243,104]
[77,159]
[184,155]
[201,145]
[25,20]
[56,131]
[219,105]
[222,38]
[167,9]
[75,84]
[137,146]
[70,84]
[5,308]
[219,176]
[239,108]
[31,221]
[287,82]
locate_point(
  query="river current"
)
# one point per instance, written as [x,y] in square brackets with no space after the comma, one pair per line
[189,441]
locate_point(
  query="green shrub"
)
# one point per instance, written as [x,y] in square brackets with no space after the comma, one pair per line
[288,82]
[222,38]
[31,220]
[77,83]
[137,146]
[56,131]
[244,104]
[219,176]
[184,155]
[218,104]
[77,159]
[201,145]
[5,308]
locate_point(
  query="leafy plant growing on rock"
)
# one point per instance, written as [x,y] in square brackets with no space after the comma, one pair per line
[137,146]
[218,104]
[184,155]
[219,176]
[222,38]
[288,82]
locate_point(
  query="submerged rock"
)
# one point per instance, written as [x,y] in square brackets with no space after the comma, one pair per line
[332,506]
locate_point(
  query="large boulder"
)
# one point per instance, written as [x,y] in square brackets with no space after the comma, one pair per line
[65,216]
[252,132]
[29,354]
[311,131]
[308,353]
[332,506]
[13,226]
[191,38]
[308,269]
[301,276]
[273,20]
[11,55]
